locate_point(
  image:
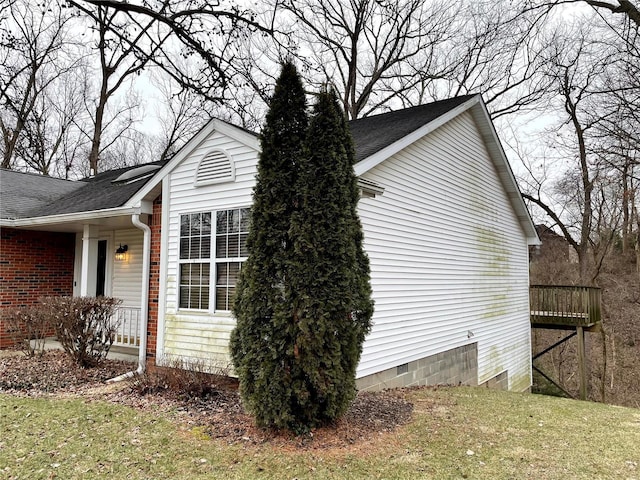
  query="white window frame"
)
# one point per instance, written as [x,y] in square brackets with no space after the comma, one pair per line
[213,260]
[191,261]
[227,259]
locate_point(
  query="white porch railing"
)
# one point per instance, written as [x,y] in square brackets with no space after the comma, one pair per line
[128,333]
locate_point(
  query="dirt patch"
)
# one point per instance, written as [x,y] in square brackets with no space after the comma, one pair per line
[219,414]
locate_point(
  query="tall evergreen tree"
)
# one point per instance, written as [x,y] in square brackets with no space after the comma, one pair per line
[328,281]
[262,343]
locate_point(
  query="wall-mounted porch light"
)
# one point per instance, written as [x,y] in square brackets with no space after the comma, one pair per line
[121,253]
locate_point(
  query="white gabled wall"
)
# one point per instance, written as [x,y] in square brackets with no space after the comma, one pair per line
[449,260]
[448,256]
[192,335]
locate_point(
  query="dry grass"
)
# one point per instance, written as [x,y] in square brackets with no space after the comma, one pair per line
[456,433]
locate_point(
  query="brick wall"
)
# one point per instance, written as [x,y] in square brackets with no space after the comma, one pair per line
[32,265]
[154,281]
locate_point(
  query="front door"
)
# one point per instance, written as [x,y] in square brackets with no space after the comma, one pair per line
[101,272]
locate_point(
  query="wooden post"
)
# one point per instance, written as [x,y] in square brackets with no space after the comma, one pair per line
[582,364]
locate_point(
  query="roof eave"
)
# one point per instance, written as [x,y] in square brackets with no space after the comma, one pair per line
[371,161]
[482,118]
[487,130]
[74,217]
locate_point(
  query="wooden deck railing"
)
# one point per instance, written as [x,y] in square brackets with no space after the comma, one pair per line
[565,305]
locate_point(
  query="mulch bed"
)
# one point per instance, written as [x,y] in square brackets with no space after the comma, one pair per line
[218,413]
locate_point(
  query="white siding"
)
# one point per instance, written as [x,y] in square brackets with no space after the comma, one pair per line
[448,257]
[127,275]
[201,335]
[449,261]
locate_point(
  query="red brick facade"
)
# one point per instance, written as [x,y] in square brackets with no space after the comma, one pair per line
[154,280]
[32,265]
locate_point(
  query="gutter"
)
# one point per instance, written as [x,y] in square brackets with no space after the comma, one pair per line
[144,301]
[71,217]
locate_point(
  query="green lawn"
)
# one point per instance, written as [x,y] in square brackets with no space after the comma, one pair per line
[456,433]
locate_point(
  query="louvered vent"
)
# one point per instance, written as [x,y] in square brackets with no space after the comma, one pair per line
[215,167]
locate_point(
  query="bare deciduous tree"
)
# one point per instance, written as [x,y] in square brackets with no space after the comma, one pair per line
[583,203]
[33,40]
[626,8]
[361,45]
[181,113]
[161,32]
[381,55]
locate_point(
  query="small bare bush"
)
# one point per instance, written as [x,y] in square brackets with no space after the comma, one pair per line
[189,379]
[84,326]
[28,328]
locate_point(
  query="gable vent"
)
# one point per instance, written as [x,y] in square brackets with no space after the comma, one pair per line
[215,167]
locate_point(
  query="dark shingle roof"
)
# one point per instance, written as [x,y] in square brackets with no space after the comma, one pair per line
[98,193]
[372,134]
[39,196]
[22,193]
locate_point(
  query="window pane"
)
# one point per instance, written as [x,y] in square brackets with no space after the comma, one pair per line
[194,298]
[245,216]
[221,222]
[233,249]
[205,247]
[221,274]
[196,271]
[184,225]
[230,293]
[206,224]
[193,277]
[234,221]
[221,246]
[184,247]
[195,224]
[204,272]
[185,277]
[194,249]
[244,252]
[221,299]
[184,297]
[234,269]
[204,298]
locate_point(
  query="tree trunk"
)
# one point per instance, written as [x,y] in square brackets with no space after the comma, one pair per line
[626,224]
[97,134]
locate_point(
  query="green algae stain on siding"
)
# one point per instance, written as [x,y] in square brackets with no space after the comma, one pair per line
[494,251]
[198,336]
[495,271]
[496,363]
[498,307]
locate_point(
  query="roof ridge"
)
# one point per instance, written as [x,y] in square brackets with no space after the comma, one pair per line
[406,110]
[38,175]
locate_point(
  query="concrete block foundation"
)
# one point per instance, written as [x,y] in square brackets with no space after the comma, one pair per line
[458,366]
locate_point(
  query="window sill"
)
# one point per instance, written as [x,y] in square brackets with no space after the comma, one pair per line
[204,313]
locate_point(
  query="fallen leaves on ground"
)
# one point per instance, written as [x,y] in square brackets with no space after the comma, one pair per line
[218,415]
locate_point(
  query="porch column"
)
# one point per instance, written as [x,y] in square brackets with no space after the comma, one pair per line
[89,265]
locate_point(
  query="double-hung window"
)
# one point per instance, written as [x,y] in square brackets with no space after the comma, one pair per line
[195,260]
[231,228]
